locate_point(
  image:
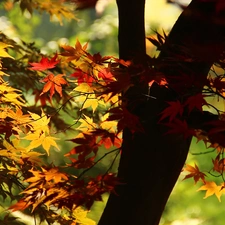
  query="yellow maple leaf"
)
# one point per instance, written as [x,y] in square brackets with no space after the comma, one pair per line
[56,8]
[110,126]
[10,96]
[37,176]
[87,124]
[48,142]
[3,52]
[38,139]
[90,101]
[81,216]
[19,117]
[33,157]
[39,123]
[84,88]
[212,188]
[4,112]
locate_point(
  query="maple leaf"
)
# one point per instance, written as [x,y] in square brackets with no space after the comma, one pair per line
[212,188]
[84,88]
[10,96]
[87,124]
[56,175]
[19,117]
[218,164]
[195,173]
[175,108]
[110,180]
[106,75]
[218,83]
[91,101]
[109,126]
[196,101]
[97,58]
[107,139]
[121,85]
[53,174]
[32,157]
[39,123]
[44,98]
[58,9]
[3,52]
[180,127]
[125,119]
[81,217]
[53,83]
[45,141]
[45,63]
[82,77]
[20,205]
[122,62]
[74,53]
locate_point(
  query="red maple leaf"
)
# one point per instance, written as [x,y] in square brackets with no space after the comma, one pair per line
[122,84]
[195,173]
[106,75]
[218,164]
[196,101]
[45,63]
[53,83]
[175,108]
[42,97]
[97,58]
[180,127]
[125,119]
[83,77]
[107,139]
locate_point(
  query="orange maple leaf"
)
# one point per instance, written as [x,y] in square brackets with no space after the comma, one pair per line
[53,83]
[74,53]
[195,173]
[20,205]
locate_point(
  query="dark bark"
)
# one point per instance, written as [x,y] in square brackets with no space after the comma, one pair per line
[151,161]
[131,35]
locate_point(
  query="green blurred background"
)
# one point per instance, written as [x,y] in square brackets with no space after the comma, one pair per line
[99,28]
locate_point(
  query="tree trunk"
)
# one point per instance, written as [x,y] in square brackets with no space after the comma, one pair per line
[131,36]
[151,161]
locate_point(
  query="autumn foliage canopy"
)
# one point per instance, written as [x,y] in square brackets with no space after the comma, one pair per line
[91,89]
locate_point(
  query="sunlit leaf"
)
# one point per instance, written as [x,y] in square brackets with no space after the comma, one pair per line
[212,188]
[195,173]
[45,63]
[3,52]
[53,83]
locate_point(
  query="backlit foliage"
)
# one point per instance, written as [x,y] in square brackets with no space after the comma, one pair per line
[91,89]
[56,9]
